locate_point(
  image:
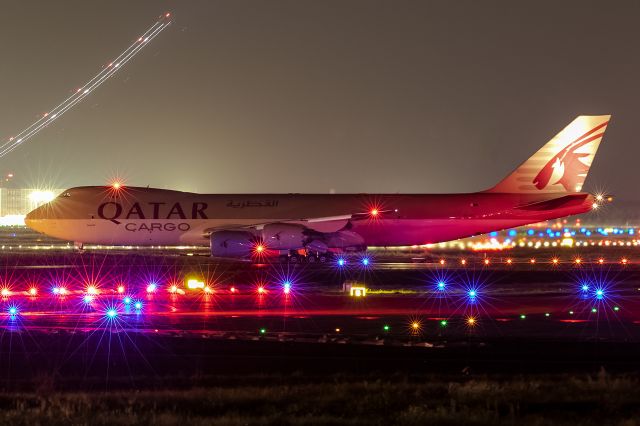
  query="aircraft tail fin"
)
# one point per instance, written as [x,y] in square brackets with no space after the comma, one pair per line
[562,164]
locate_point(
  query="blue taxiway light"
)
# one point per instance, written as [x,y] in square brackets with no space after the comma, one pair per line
[112,313]
[365,261]
[441,285]
[127,300]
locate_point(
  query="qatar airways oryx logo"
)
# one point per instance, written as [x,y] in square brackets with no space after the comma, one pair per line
[567,167]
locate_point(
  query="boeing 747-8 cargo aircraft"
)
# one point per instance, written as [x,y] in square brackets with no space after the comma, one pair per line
[546,186]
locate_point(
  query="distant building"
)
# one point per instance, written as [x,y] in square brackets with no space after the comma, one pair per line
[15,203]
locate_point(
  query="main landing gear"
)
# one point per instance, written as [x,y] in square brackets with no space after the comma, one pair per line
[312,258]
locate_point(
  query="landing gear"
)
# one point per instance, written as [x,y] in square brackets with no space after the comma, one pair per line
[310,257]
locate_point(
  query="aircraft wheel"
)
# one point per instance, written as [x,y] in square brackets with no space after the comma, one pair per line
[312,258]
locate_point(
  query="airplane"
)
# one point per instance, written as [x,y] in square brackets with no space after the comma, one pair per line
[546,186]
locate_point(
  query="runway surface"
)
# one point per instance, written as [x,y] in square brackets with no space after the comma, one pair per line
[108,317]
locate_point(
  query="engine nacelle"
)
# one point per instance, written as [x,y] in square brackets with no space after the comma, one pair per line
[231,243]
[346,240]
[284,236]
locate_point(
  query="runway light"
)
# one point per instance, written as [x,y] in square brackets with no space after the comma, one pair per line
[116,185]
[555,260]
[207,290]
[286,287]
[487,261]
[442,261]
[578,261]
[112,313]
[386,327]
[365,261]
[616,308]
[138,305]
[127,300]
[471,321]
[570,312]
[341,261]
[120,289]
[233,290]
[415,326]
[523,316]
[5,292]
[193,283]
[532,260]
[13,311]
[151,288]
[261,290]
[173,289]
[599,294]
[585,287]
[337,330]
[624,261]
[463,262]
[87,298]
[62,291]
[263,330]
[509,261]
[547,314]
[259,249]
[92,290]
[374,212]
[472,294]
[601,261]
[443,323]
[594,310]
[33,291]
[441,285]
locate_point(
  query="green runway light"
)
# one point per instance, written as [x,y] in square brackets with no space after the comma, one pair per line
[570,312]
[615,308]
[386,327]
[443,323]
[263,330]
[523,316]
[594,310]
[547,314]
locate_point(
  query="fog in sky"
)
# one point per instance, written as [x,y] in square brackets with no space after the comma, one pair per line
[314,96]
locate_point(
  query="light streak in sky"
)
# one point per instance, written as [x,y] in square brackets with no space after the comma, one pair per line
[85,90]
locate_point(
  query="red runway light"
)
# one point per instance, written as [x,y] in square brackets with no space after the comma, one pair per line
[120,289]
[259,248]
[374,212]
[232,290]
[33,291]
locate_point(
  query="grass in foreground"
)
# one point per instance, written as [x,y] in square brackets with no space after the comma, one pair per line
[540,400]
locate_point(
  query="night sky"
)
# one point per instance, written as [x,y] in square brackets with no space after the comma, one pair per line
[315,96]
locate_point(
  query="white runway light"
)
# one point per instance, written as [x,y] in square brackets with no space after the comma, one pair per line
[85,90]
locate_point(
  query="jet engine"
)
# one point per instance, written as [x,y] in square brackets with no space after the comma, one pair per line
[284,236]
[231,243]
